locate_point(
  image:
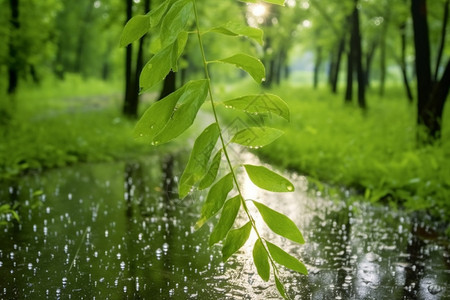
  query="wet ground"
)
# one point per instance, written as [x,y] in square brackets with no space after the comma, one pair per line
[117,231]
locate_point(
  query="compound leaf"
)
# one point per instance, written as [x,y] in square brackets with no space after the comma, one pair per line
[237,30]
[280,287]
[250,64]
[236,238]
[260,104]
[156,116]
[279,223]
[285,259]
[174,21]
[268,180]
[215,199]
[135,28]
[198,161]
[229,213]
[211,175]
[156,68]
[256,137]
[191,100]
[261,260]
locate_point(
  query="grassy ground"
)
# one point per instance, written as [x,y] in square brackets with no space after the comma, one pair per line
[374,152]
[62,123]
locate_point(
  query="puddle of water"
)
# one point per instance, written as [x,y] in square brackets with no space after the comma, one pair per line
[117,231]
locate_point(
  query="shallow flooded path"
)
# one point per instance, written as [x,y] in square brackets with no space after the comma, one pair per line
[117,231]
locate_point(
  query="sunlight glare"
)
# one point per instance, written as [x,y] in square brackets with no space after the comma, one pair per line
[306,23]
[258,10]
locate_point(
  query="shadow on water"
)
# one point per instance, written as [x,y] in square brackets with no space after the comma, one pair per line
[119,231]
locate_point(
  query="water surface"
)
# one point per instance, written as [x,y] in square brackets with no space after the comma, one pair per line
[118,231]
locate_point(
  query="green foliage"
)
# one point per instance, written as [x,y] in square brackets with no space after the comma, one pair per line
[279,223]
[171,116]
[268,180]
[256,137]
[261,259]
[236,238]
[62,123]
[374,153]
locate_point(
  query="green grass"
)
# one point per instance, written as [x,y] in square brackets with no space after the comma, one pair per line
[62,123]
[375,152]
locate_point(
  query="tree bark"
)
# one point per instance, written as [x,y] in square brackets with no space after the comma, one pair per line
[443,34]
[369,59]
[13,66]
[317,65]
[431,95]
[337,67]
[127,110]
[403,63]
[349,87]
[356,34]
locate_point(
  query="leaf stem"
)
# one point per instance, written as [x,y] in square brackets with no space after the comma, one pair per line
[222,141]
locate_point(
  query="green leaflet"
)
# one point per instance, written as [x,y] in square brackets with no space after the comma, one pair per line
[135,28]
[261,260]
[268,180]
[183,117]
[156,68]
[198,160]
[161,122]
[160,64]
[260,104]
[280,287]
[211,175]
[279,223]
[156,116]
[235,240]
[277,2]
[250,64]
[256,137]
[157,13]
[229,213]
[174,21]
[215,199]
[285,259]
[178,49]
[238,30]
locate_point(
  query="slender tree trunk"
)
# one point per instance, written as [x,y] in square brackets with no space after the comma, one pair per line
[349,88]
[431,95]
[13,66]
[335,75]
[443,34]
[369,59]
[127,110]
[85,24]
[403,63]
[423,68]
[356,43]
[131,102]
[317,65]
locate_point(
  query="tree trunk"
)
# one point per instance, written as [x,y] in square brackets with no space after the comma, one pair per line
[317,64]
[85,24]
[403,63]
[431,95]
[127,110]
[13,66]
[349,88]
[335,75]
[443,34]
[356,43]
[369,59]
[131,103]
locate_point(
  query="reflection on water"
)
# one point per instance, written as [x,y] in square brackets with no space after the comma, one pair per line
[119,231]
